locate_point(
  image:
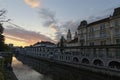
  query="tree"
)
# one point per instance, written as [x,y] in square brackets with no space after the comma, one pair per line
[62,41]
[1,38]
[62,44]
[2,19]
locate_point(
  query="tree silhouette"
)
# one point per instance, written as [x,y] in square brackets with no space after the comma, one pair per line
[2,19]
[1,38]
[62,42]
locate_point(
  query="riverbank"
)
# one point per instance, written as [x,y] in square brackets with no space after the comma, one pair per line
[50,66]
[6,74]
[6,71]
[9,75]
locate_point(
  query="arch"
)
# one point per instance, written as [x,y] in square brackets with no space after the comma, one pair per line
[75,59]
[85,60]
[114,64]
[98,62]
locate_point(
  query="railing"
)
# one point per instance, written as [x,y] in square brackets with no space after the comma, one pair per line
[102,51]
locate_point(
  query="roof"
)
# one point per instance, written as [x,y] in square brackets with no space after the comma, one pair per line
[115,14]
[44,42]
[74,40]
[99,21]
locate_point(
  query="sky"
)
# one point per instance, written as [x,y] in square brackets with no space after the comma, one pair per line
[46,20]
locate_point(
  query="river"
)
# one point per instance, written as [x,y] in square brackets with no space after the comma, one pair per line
[24,72]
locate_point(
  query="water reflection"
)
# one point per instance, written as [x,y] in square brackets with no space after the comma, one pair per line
[24,72]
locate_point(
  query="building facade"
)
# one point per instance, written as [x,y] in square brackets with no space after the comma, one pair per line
[102,32]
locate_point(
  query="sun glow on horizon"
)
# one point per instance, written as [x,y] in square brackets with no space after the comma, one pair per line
[16,43]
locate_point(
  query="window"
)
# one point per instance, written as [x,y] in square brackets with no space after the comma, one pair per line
[117,41]
[102,30]
[102,34]
[103,42]
[91,43]
[82,34]
[91,29]
[102,26]
[116,29]
[116,23]
[91,33]
[66,57]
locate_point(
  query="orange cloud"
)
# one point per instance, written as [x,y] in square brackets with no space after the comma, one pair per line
[22,37]
[33,3]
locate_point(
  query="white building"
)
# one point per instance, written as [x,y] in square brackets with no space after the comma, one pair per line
[42,49]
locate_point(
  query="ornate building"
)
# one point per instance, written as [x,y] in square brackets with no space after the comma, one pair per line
[102,32]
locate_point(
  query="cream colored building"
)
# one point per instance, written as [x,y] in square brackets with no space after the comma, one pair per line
[102,32]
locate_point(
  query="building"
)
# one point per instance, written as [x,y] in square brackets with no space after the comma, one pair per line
[42,49]
[102,32]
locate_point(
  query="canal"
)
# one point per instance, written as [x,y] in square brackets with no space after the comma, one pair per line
[30,69]
[24,72]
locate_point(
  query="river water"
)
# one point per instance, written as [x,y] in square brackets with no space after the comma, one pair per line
[24,72]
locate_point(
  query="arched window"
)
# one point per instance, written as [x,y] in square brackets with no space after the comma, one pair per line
[85,60]
[98,62]
[114,64]
[75,59]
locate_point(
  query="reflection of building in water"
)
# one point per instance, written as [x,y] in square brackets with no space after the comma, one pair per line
[85,49]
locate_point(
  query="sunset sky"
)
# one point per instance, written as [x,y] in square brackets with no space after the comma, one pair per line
[46,20]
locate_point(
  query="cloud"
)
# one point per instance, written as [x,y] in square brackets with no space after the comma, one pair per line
[101,15]
[71,24]
[48,17]
[33,3]
[50,20]
[20,34]
[53,27]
